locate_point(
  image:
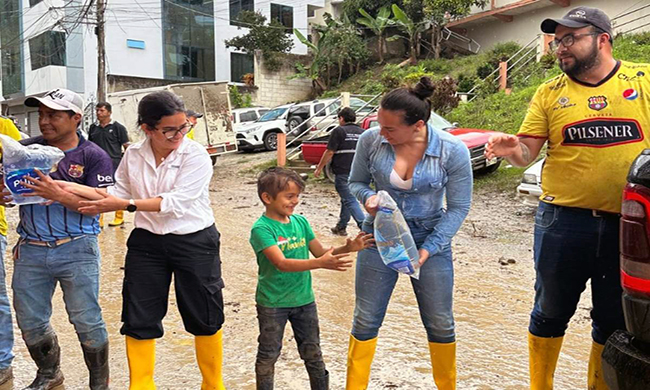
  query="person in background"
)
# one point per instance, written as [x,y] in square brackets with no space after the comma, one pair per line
[421,168]
[340,150]
[595,117]
[165,180]
[193,117]
[7,128]
[58,245]
[114,139]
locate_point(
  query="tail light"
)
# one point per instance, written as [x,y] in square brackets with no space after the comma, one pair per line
[313,128]
[635,239]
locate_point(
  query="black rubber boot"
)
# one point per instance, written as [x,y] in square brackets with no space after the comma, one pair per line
[97,363]
[47,356]
[320,383]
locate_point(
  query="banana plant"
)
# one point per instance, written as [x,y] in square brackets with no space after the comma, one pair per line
[378,26]
[410,28]
[315,49]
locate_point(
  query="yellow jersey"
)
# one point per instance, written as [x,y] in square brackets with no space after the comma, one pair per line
[594,133]
[7,127]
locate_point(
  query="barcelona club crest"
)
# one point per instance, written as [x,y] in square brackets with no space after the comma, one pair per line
[76,171]
[597,102]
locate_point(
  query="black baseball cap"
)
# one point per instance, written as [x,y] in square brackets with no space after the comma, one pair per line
[580,17]
[193,113]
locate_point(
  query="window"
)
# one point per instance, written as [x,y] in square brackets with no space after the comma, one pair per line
[135,44]
[34,2]
[240,64]
[47,49]
[319,107]
[11,55]
[237,6]
[248,116]
[284,15]
[189,40]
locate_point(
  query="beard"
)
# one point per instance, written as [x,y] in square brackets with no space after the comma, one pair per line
[582,65]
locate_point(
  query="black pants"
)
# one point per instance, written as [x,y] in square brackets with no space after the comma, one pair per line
[151,260]
[304,321]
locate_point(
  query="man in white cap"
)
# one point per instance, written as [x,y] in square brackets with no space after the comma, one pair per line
[594,117]
[59,245]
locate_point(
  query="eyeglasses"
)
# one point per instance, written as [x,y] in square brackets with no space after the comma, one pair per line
[172,132]
[568,40]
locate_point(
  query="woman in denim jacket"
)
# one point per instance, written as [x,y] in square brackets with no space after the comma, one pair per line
[416,164]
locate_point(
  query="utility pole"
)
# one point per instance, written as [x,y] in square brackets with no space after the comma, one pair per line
[101,52]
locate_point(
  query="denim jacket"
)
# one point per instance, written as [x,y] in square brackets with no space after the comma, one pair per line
[445,167]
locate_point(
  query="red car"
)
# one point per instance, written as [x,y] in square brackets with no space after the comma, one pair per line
[475,139]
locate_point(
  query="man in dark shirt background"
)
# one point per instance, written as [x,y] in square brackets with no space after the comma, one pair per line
[113,138]
[340,150]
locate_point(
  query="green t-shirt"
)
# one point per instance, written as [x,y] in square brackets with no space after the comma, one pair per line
[274,287]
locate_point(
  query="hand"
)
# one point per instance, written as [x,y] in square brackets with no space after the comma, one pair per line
[372,205]
[44,186]
[361,241]
[5,197]
[424,255]
[335,262]
[501,145]
[105,204]
[317,172]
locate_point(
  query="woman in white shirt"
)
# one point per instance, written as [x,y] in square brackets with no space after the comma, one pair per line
[165,180]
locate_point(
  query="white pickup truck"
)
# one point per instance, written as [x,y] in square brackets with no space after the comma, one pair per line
[214,130]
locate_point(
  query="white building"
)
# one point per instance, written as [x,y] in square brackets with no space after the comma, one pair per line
[519,20]
[47,45]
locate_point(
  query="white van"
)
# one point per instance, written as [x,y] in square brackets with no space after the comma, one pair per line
[240,116]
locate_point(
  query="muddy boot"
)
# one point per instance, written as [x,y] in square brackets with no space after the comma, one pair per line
[320,383]
[360,355]
[443,364]
[47,356]
[97,363]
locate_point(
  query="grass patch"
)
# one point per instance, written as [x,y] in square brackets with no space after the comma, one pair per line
[262,166]
[503,180]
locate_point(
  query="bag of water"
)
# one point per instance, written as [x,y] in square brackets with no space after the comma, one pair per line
[19,161]
[393,238]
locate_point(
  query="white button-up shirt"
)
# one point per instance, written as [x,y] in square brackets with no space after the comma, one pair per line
[182,180]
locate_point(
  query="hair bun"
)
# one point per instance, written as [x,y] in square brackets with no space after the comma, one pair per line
[423,89]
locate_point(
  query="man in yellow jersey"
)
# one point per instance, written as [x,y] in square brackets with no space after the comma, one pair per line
[8,128]
[594,118]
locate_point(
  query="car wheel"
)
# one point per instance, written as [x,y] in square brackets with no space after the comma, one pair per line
[293,124]
[271,141]
[329,173]
[487,170]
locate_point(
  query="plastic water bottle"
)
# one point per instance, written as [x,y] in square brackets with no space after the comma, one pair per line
[393,238]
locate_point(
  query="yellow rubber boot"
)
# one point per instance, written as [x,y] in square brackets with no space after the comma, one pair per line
[119,218]
[142,359]
[101,221]
[443,365]
[209,355]
[360,354]
[595,380]
[543,354]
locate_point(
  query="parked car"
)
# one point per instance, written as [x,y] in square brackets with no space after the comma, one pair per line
[626,357]
[323,114]
[240,116]
[531,184]
[475,139]
[263,133]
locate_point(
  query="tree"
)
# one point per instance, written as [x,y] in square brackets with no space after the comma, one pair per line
[411,28]
[441,12]
[378,26]
[271,39]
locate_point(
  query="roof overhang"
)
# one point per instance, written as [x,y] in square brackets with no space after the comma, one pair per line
[506,13]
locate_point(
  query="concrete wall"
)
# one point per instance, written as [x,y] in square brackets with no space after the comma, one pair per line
[275,88]
[525,27]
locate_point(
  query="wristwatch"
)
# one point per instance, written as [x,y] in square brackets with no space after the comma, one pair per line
[131,207]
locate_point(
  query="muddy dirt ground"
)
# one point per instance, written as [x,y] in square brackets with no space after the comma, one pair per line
[492,303]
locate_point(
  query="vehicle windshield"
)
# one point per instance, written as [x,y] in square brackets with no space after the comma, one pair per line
[438,122]
[273,114]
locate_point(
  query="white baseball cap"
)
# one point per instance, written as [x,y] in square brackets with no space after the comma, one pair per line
[58,99]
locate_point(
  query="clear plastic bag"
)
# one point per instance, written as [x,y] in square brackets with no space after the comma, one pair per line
[19,161]
[393,238]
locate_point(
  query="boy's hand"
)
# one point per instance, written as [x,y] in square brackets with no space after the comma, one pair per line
[361,241]
[335,262]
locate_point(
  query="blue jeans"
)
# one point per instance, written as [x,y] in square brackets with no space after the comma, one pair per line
[573,246]
[304,321]
[6,328]
[75,265]
[374,284]
[349,204]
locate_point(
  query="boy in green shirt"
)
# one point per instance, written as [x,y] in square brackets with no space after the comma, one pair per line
[282,242]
